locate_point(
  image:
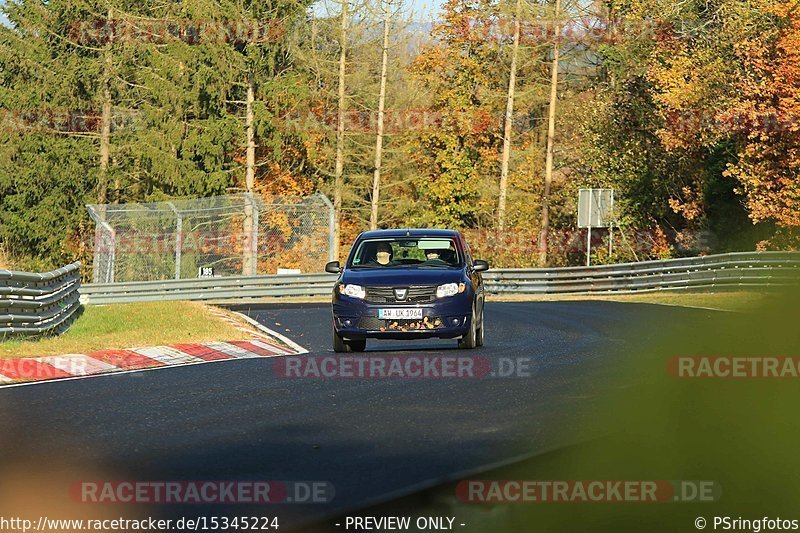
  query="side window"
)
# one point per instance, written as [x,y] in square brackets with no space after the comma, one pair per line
[468,253]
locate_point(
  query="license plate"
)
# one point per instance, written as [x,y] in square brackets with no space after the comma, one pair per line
[400,313]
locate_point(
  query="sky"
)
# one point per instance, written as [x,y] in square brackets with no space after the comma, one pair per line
[425,10]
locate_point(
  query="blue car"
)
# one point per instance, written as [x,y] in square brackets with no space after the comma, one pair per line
[408,284]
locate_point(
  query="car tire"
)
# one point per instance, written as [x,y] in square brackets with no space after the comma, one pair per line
[357,345]
[342,346]
[479,335]
[470,340]
[339,346]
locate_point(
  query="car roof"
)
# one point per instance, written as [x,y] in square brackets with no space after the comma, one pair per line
[409,232]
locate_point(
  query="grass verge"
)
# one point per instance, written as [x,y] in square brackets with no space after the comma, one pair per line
[127,326]
[728,301]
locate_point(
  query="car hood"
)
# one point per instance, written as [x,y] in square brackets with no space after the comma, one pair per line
[402,276]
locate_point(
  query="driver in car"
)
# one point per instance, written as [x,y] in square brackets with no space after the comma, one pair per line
[383,254]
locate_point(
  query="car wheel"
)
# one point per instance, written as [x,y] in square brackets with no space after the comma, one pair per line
[339,345]
[479,336]
[470,340]
[357,345]
[342,346]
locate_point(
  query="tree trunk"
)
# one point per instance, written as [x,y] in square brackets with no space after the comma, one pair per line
[249,257]
[117,184]
[551,131]
[512,78]
[251,145]
[376,179]
[339,169]
[105,122]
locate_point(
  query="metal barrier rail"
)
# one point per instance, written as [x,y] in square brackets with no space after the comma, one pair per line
[210,288]
[39,303]
[738,269]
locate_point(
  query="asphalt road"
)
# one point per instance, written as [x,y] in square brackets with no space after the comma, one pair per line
[371,438]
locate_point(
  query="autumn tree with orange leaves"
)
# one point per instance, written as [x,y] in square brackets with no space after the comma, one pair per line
[734,83]
[462,71]
[768,89]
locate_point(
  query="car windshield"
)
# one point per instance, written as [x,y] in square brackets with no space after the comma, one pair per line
[420,252]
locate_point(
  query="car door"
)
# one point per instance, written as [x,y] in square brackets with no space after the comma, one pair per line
[475,279]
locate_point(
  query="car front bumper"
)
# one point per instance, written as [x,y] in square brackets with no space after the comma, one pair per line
[450,317]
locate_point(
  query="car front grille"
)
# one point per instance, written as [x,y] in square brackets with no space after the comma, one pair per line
[416,294]
[378,324]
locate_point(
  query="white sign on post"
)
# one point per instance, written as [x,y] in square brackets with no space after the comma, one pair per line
[595,210]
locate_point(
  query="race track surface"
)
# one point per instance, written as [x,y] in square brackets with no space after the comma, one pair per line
[371,438]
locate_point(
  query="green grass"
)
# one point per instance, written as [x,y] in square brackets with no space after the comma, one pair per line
[728,301]
[159,323]
[128,326]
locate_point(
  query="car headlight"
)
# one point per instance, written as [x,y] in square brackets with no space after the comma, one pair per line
[353,291]
[449,289]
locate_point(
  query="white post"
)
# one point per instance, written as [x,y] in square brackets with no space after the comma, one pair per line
[178,240]
[611,226]
[589,232]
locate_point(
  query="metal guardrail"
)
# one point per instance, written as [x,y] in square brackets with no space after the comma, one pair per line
[39,303]
[736,269]
[207,289]
[713,272]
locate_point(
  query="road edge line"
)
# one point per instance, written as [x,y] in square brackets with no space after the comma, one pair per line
[258,325]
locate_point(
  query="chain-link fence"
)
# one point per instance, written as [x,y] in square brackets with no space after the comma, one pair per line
[232,235]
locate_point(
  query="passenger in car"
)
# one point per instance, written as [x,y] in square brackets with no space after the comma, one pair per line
[440,256]
[432,255]
[448,256]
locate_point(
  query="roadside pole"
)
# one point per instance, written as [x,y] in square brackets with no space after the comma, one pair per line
[589,234]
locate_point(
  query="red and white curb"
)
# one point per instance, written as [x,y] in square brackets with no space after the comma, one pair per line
[71,366]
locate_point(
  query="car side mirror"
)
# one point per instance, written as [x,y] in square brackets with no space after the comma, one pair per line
[479,265]
[333,267]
